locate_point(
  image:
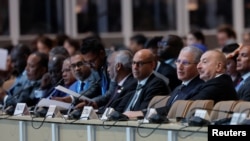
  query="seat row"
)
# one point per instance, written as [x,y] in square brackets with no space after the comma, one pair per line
[187,108]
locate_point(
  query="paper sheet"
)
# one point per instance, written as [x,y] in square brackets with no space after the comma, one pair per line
[3,54]
[70,92]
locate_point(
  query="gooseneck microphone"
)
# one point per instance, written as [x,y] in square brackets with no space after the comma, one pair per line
[75,114]
[52,90]
[198,121]
[115,115]
[42,111]
[155,117]
[243,120]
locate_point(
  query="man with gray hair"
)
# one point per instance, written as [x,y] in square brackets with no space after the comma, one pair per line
[122,81]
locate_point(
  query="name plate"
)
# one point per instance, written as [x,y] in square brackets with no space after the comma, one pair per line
[88,113]
[202,114]
[53,111]
[106,114]
[237,118]
[21,109]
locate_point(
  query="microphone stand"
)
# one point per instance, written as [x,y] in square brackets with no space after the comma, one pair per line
[76,100]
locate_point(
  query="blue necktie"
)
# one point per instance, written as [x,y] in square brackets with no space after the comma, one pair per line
[80,87]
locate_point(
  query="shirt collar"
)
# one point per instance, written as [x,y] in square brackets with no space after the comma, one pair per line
[245,76]
[143,82]
[123,80]
[158,65]
[188,81]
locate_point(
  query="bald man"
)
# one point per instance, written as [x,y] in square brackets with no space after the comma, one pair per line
[218,85]
[148,85]
[243,66]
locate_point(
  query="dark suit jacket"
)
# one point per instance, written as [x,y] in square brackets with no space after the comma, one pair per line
[218,89]
[184,93]
[153,87]
[25,95]
[103,76]
[115,95]
[170,72]
[244,90]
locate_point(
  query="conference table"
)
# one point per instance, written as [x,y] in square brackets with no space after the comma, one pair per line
[27,128]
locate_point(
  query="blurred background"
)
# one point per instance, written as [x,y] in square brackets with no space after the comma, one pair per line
[115,21]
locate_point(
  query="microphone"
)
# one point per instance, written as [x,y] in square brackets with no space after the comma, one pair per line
[42,111]
[75,114]
[51,91]
[155,117]
[11,102]
[10,105]
[198,121]
[89,91]
[242,120]
[115,115]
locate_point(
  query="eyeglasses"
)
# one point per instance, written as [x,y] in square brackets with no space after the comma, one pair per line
[66,70]
[140,63]
[78,64]
[162,43]
[184,62]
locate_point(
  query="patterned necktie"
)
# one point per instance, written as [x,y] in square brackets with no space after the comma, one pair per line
[135,97]
[178,93]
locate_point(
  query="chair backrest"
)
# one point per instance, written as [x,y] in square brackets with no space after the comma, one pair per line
[179,108]
[158,101]
[200,104]
[242,107]
[219,108]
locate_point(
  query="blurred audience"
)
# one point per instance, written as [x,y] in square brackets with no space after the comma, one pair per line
[137,43]
[19,56]
[225,35]
[196,38]
[169,48]
[44,44]
[71,45]
[165,69]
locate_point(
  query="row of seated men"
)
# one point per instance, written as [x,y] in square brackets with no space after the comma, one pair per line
[122,80]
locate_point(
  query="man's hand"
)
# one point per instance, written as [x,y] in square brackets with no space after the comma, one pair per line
[66,99]
[86,103]
[133,114]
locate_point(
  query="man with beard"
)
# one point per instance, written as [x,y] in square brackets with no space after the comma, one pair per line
[85,83]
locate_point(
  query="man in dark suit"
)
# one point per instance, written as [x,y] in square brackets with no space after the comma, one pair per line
[94,55]
[243,66]
[187,72]
[218,85]
[37,66]
[148,84]
[165,69]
